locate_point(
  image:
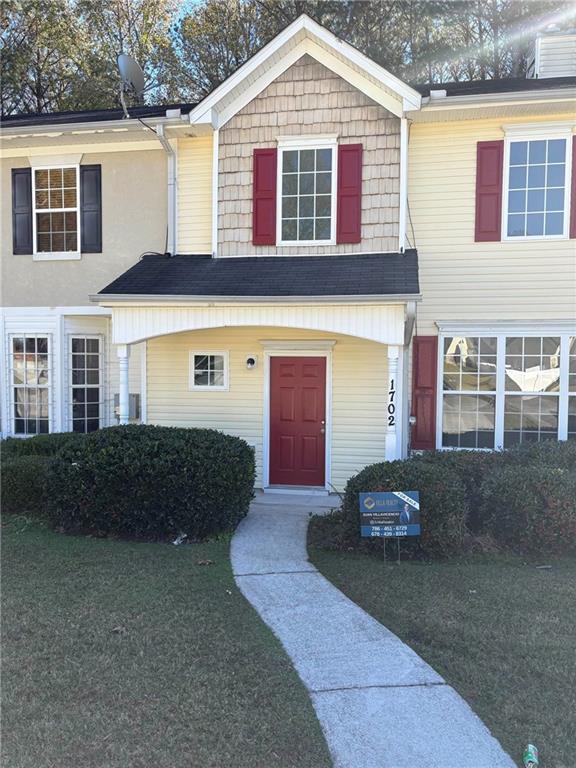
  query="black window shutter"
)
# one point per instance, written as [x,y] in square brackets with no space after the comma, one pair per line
[22,210]
[91,208]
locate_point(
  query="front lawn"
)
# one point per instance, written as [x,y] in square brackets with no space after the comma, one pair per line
[501,631]
[129,655]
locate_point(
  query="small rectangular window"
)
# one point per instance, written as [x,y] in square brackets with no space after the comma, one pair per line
[86,406]
[537,198]
[209,370]
[307,194]
[56,206]
[31,384]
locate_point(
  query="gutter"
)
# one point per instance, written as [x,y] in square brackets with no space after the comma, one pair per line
[470,101]
[208,301]
[171,218]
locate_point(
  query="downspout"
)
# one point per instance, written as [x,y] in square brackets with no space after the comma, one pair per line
[171,158]
[403,183]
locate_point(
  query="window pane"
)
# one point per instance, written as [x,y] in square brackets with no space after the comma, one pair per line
[71,242]
[42,199]
[323,183]
[56,198]
[43,222]
[289,229]
[518,178]
[306,209]
[306,229]
[535,224]
[535,200]
[323,205]
[217,362]
[518,152]
[289,207]
[554,223]
[306,186]
[556,175]
[290,161]
[555,200]
[537,152]
[69,177]
[41,179]
[201,361]
[69,198]
[201,378]
[290,184]
[556,150]
[217,378]
[323,159]
[536,176]
[57,242]
[516,225]
[307,160]
[517,201]
[55,177]
[322,229]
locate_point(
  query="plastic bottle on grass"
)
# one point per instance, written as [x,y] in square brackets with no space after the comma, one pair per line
[530,757]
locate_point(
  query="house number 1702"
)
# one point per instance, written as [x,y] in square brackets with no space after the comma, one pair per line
[392,404]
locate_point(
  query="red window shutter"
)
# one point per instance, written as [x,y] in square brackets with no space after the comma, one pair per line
[264,197]
[349,206]
[424,366]
[489,166]
[573,194]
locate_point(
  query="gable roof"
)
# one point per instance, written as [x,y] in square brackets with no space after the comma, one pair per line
[268,277]
[304,36]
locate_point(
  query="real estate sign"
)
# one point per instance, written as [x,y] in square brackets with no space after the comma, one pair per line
[394,513]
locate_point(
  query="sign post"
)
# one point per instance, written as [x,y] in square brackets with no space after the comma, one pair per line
[390,514]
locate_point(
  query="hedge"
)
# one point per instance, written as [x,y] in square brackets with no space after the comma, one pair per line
[531,508]
[151,482]
[24,480]
[442,501]
[39,445]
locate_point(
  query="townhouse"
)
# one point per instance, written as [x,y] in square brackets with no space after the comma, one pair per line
[318,257]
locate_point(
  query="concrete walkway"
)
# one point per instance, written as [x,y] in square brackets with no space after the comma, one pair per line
[380,705]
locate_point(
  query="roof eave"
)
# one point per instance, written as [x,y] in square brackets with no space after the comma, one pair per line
[106,299]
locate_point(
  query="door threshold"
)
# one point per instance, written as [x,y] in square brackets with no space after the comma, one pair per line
[302,490]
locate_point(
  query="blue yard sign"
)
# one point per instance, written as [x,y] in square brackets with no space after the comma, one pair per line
[395,513]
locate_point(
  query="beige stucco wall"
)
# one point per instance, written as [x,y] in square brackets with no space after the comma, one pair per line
[195,195]
[133,221]
[359,383]
[464,280]
[309,99]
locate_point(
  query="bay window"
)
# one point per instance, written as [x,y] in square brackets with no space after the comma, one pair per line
[501,390]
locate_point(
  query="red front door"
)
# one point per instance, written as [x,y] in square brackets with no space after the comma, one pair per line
[297,420]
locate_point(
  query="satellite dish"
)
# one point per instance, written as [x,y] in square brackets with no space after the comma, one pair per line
[132,78]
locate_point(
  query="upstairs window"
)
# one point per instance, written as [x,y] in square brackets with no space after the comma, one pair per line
[537,198]
[307,192]
[56,218]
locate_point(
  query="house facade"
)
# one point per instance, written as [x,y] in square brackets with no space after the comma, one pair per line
[318,258]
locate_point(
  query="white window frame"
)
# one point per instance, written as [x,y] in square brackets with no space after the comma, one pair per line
[296,143]
[501,335]
[533,134]
[208,387]
[11,420]
[101,370]
[55,255]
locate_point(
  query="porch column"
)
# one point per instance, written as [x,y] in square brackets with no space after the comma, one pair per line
[393,410]
[124,397]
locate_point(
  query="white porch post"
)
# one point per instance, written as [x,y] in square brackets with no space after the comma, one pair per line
[124,398]
[394,406]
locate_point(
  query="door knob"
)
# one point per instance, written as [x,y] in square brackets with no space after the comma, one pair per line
[322,431]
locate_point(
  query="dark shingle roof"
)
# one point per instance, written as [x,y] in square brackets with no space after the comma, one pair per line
[509,85]
[90,116]
[374,274]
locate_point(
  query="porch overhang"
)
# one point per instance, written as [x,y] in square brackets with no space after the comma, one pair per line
[380,321]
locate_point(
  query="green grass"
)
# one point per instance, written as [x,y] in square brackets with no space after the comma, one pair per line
[128,655]
[499,630]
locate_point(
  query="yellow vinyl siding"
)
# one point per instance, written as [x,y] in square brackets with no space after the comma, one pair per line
[358,391]
[195,195]
[464,280]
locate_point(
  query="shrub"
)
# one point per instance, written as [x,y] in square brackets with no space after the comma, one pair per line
[152,482]
[442,503]
[472,467]
[39,445]
[24,484]
[531,508]
[560,454]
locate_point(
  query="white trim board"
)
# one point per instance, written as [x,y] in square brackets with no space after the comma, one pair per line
[295,352]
